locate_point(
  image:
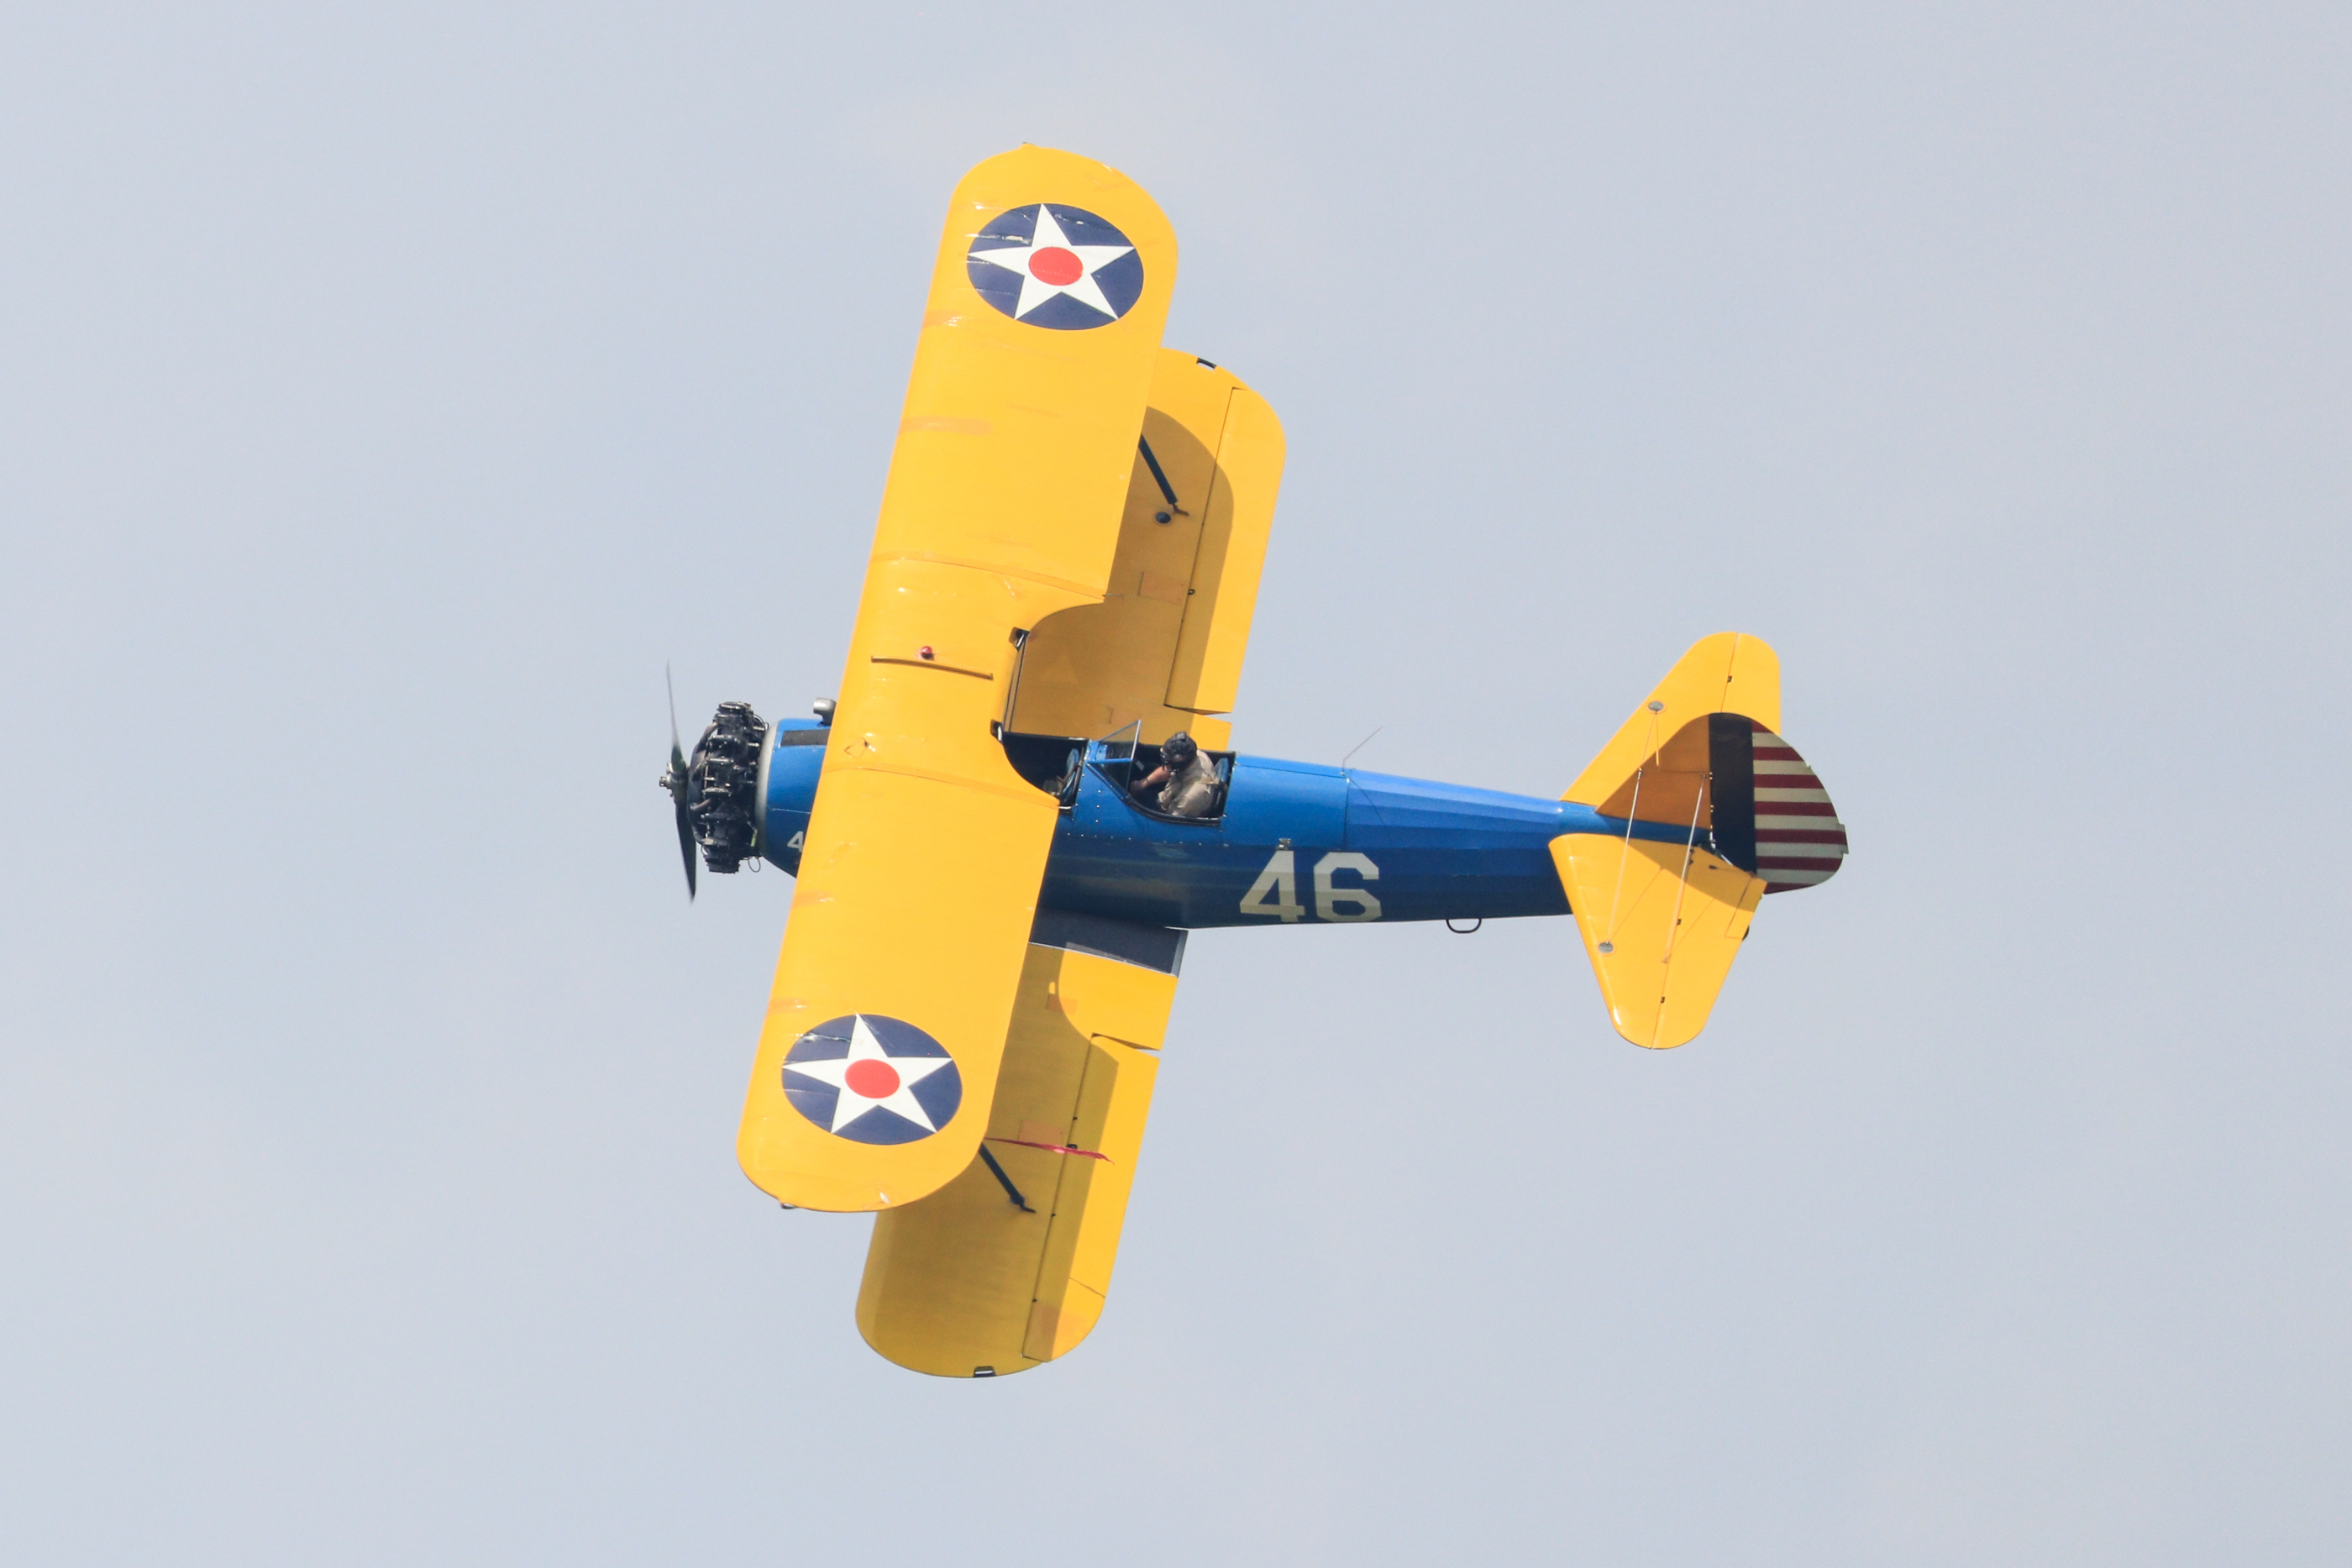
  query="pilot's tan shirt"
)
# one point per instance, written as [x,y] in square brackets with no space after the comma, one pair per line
[1192,791]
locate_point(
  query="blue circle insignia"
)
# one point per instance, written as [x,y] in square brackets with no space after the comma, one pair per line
[872,1080]
[1051,265]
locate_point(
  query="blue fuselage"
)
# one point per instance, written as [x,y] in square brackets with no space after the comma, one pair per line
[1295,842]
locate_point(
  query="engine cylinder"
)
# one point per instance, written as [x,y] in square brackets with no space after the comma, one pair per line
[722,786]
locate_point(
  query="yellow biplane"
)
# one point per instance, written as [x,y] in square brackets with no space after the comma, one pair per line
[1024,794]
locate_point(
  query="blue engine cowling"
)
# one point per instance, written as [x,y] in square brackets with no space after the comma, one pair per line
[790,761]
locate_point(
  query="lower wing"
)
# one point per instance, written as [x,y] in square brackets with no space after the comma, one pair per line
[1007,1266]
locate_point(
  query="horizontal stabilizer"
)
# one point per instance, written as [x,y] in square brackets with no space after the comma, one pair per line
[1727,673]
[1661,923]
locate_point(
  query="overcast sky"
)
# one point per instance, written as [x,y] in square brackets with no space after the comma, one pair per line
[388,396]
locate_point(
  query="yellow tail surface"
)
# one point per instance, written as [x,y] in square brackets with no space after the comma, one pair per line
[1662,921]
[1665,923]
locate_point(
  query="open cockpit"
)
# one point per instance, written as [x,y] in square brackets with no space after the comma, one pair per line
[1059,764]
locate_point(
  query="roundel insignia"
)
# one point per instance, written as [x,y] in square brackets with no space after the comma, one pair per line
[1058,266]
[872,1080]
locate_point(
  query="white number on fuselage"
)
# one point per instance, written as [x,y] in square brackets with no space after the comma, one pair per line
[1275,895]
[1327,899]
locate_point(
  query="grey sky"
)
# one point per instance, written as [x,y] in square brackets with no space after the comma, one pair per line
[388,395]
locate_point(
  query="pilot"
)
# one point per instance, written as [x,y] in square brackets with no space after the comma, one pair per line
[1187,785]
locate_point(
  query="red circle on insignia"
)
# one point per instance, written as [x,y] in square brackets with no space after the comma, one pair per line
[872,1078]
[1055,265]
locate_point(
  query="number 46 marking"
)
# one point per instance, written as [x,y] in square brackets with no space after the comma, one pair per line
[1275,895]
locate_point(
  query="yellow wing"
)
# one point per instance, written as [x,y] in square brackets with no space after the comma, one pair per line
[924,848]
[1165,645]
[1007,1265]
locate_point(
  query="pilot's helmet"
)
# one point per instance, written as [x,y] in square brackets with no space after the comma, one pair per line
[1179,749]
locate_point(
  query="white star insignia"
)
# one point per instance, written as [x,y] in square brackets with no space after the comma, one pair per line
[1051,267]
[889,1084]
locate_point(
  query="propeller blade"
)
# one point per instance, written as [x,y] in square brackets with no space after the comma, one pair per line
[676,780]
[669,686]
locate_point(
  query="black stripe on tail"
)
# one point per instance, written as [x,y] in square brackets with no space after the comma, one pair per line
[1731,761]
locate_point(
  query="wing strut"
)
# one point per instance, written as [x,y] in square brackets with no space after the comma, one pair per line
[1006,1182]
[1159,477]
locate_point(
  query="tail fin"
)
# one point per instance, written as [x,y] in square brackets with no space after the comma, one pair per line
[1708,810]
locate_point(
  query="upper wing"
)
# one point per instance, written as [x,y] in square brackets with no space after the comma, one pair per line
[924,848]
[1165,645]
[1007,1265]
